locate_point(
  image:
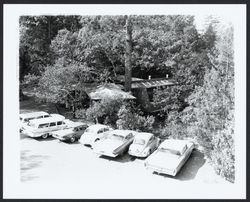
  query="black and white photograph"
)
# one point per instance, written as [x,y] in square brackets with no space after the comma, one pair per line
[124,101]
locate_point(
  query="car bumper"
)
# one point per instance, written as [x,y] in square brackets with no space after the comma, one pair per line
[137,154]
[167,171]
[105,153]
[31,134]
[60,138]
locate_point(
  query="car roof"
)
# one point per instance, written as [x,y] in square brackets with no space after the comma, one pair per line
[144,136]
[76,124]
[173,144]
[123,133]
[46,120]
[33,114]
[97,126]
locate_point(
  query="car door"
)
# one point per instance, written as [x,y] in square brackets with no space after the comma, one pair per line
[60,125]
[53,126]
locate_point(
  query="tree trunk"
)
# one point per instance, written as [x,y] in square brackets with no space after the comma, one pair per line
[128,54]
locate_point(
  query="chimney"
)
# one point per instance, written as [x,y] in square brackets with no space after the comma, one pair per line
[149,77]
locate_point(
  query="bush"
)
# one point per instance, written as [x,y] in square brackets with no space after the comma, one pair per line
[104,111]
[131,118]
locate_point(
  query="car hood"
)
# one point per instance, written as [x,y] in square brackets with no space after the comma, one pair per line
[107,145]
[164,160]
[137,148]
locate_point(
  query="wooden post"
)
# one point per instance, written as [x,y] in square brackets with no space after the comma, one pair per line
[128,54]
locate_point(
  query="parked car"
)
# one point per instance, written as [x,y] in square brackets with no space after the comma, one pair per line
[93,134]
[72,133]
[143,145]
[26,117]
[114,143]
[44,127]
[170,156]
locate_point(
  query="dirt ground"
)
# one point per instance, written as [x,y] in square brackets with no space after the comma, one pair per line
[53,161]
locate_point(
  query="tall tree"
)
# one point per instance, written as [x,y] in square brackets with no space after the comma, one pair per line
[128,54]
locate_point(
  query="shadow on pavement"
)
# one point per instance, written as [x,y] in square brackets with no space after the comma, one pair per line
[29,162]
[121,159]
[190,168]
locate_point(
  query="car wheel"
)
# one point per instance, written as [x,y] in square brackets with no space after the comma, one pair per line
[149,152]
[72,139]
[44,136]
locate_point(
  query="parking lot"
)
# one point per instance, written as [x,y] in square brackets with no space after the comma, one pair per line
[53,161]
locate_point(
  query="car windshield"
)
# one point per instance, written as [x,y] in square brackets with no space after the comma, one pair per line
[90,130]
[28,119]
[170,151]
[115,137]
[139,141]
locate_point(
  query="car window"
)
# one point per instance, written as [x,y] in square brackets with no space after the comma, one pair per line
[46,116]
[100,131]
[105,129]
[151,139]
[59,123]
[129,136]
[45,125]
[39,117]
[171,151]
[83,127]
[52,124]
[139,141]
[115,137]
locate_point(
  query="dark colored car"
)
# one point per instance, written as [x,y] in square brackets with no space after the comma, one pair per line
[71,134]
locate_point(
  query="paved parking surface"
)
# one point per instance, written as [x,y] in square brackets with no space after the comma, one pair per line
[53,161]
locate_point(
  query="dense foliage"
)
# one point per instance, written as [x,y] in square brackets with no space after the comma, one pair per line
[118,113]
[209,118]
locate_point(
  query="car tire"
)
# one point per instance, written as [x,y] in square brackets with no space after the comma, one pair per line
[45,136]
[149,152]
[72,139]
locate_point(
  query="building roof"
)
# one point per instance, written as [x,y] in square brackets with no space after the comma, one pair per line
[121,79]
[110,90]
[152,83]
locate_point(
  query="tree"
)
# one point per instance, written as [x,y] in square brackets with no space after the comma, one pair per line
[209,118]
[36,33]
[65,84]
[128,54]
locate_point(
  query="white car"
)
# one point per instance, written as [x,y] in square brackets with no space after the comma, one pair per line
[170,156]
[44,127]
[143,145]
[26,117]
[114,143]
[94,133]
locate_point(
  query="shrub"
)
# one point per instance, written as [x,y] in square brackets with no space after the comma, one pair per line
[131,118]
[104,111]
